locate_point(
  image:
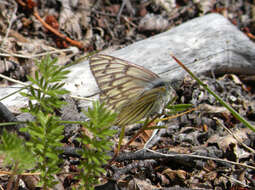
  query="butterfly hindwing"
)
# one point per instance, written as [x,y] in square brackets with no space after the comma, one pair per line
[139,108]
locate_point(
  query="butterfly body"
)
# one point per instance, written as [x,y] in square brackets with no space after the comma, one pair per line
[128,89]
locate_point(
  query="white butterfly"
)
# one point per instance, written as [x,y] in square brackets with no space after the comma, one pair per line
[129,89]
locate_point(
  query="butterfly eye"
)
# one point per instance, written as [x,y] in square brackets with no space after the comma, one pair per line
[159,83]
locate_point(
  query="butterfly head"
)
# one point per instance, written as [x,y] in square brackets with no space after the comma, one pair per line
[164,91]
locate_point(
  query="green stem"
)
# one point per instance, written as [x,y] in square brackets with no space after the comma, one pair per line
[225,104]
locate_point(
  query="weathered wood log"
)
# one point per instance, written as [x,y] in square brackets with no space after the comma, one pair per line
[205,44]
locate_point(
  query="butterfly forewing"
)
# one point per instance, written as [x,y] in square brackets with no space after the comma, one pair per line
[120,82]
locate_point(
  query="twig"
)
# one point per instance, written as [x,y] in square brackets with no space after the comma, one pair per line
[176,115]
[82,98]
[33,56]
[236,181]
[121,9]
[109,29]
[72,42]
[12,80]
[23,174]
[202,157]
[145,154]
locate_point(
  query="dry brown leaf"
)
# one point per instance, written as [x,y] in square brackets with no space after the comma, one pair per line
[230,145]
[163,178]
[175,174]
[210,176]
[139,184]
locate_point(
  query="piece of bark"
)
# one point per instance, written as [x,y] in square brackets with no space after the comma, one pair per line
[211,40]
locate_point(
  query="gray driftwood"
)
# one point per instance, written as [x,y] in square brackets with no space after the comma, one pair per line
[205,44]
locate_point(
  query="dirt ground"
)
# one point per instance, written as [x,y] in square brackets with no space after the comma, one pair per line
[30,29]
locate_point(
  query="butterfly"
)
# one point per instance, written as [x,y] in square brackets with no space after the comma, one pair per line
[130,90]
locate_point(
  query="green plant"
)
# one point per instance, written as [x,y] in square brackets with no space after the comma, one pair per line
[41,152]
[95,145]
[46,131]
[16,154]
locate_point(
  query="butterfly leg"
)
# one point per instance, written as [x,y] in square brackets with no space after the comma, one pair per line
[147,124]
[122,134]
[116,151]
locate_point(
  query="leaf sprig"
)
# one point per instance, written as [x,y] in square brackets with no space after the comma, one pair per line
[45,131]
[95,145]
[41,152]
